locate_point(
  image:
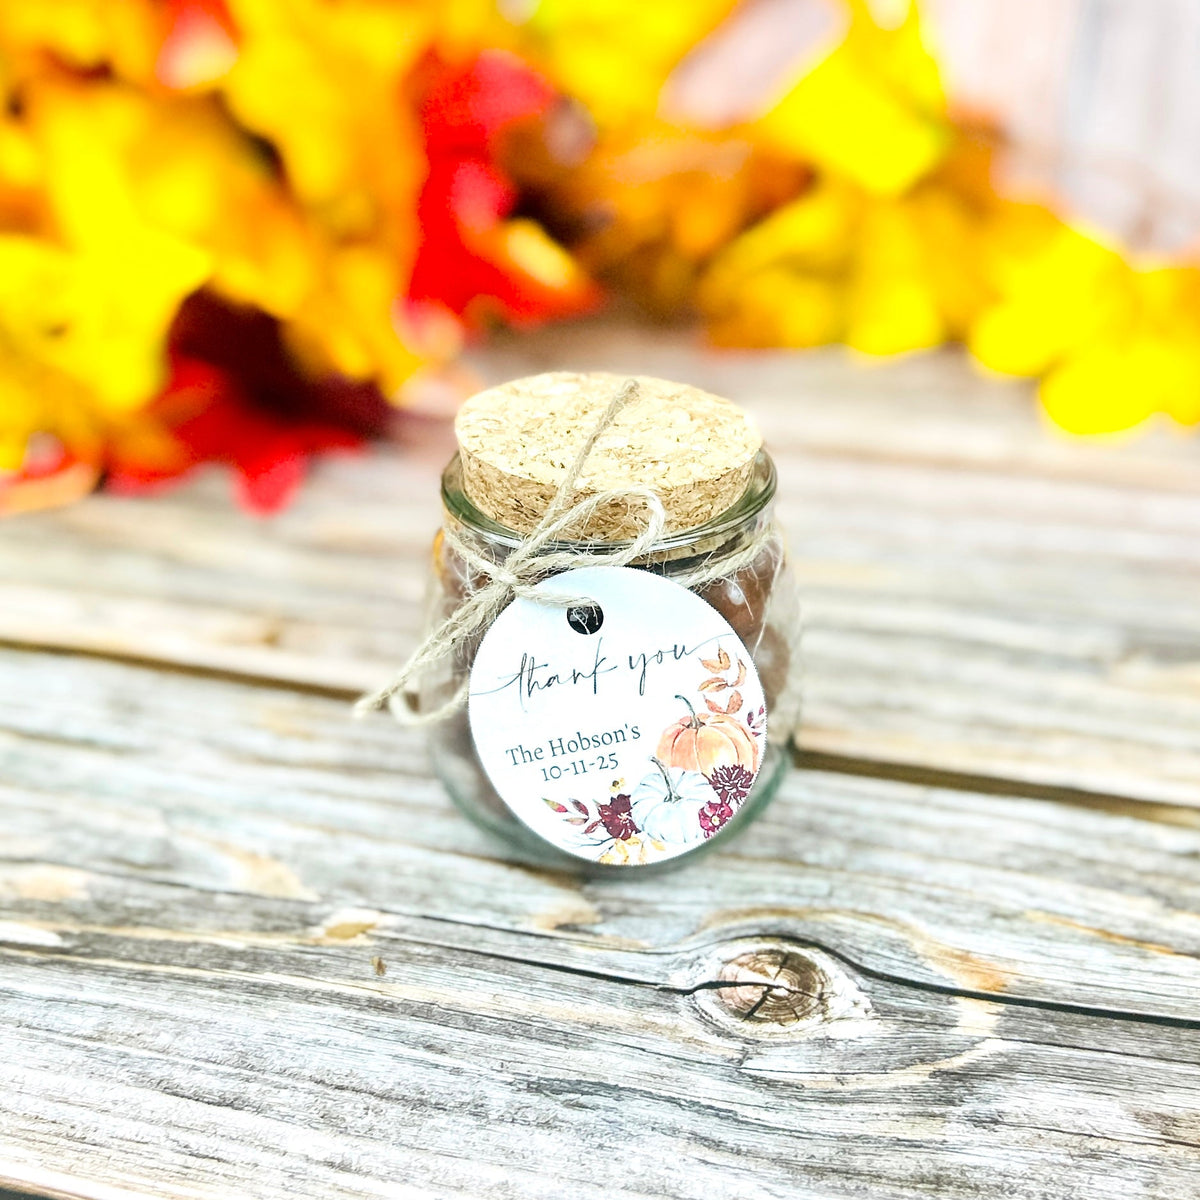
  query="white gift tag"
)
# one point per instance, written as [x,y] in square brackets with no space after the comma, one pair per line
[626,732]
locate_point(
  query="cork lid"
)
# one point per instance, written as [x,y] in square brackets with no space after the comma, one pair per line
[518,440]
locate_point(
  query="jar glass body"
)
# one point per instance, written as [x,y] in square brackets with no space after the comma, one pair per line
[757,597]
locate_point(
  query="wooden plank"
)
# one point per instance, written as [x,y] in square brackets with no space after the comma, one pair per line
[983,597]
[285,1069]
[205,784]
[892,991]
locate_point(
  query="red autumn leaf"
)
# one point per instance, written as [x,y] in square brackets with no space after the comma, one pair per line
[210,419]
[472,258]
[235,397]
[467,108]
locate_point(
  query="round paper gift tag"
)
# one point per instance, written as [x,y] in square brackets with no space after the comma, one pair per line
[627,730]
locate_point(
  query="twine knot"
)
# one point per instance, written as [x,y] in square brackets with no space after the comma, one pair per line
[547,551]
[530,562]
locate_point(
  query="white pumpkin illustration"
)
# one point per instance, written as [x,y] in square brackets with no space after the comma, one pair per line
[666,804]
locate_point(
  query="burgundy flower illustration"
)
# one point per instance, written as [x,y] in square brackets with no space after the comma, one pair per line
[616,817]
[713,816]
[732,783]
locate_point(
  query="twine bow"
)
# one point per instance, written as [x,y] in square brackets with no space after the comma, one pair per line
[533,560]
[536,558]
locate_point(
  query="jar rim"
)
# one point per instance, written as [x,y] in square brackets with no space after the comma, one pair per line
[759,492]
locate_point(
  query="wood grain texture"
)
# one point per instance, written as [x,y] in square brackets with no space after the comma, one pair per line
[982,596]
[206,783]
[985,995]
[248,949]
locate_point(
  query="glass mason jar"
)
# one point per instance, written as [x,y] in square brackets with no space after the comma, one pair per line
[759,600]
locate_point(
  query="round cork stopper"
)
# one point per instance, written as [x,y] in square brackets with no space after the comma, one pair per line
[518,440]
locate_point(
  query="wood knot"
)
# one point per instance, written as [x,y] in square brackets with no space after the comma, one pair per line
[770,985]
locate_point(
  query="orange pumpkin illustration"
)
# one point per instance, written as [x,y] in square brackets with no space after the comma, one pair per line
[704,741]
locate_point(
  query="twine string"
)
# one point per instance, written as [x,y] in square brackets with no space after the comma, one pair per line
[536,557]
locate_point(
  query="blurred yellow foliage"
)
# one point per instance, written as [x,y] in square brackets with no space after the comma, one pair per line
[871,111]
[272,152]
[895,240]
[614,55]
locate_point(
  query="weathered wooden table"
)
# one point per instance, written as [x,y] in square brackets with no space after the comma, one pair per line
[963,961]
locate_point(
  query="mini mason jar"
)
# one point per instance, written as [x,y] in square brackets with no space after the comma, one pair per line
[734,561]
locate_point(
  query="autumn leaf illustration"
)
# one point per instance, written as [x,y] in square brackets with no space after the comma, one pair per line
[720,663]
[565,812]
